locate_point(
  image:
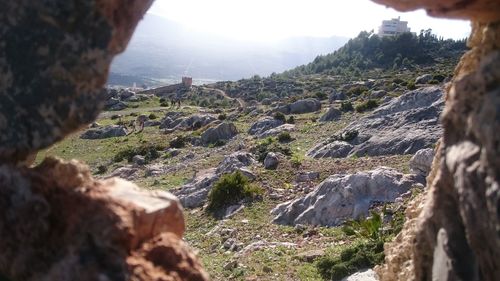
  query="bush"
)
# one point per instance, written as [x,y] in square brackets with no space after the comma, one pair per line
[101,169]
[356,91]
[284,137]
[149,151]
[152,116]
[438,77]
[229,190]
[366,105]
[291,120]
[269,145]
[222,117]
[346,106]
[434,82]
[411,85]
[178,142]
[321,95]
[280,116]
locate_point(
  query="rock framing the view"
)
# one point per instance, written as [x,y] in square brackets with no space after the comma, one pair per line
[456,235]
[54,61]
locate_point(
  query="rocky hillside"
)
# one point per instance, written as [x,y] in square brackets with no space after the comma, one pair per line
[276,182]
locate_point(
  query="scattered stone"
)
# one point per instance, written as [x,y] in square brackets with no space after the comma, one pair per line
[421,162]
[404,125]
[222,132]
[125,94]
[307,176]
[336,149]
[262,244]
[127,172]
[276,131]
[423,79]
[331,115]
[271,161]
[110,131]
[172,152]
[336,96]
[344,197]
[233,210]
[139,160]
[378,94]
[304,106]
[118,106]
[264,124]
[231,265]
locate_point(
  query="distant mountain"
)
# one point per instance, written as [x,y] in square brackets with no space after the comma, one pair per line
[161,51]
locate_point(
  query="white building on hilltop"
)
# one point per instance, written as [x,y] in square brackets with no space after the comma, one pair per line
[393,27]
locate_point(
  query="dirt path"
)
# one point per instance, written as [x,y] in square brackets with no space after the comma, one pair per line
[240,101]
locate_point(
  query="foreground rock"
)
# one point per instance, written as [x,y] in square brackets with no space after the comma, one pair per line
[194,193]
[402,126]
[110,131]
[222,132]
[56,222]
[456,234]
[344,197]
[123,224]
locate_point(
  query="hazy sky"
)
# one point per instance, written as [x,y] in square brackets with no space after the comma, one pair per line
[267,20]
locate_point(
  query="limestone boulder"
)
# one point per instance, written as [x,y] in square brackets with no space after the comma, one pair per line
[110,131]
[271,161]
[331,115]
[222,132]
[264,124]
[403,125]
[421,162]
[344,197]
[276,131]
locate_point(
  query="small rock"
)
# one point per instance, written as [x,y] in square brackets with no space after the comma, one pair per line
[310,256]
[271,161]
[139,160]
[423,79]
[230,265]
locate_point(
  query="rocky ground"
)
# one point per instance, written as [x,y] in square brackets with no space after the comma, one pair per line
[323,167]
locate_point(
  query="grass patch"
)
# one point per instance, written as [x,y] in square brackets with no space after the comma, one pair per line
[149,151]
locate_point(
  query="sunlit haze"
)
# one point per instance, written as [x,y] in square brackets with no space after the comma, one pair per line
[269,20]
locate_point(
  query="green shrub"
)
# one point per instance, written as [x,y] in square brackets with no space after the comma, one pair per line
[346,106]
[350,260]
[297,159]
[321,95]
[356,91]
[152,116]
[291,120]
[411,85]
[222,117]
[149,151]
[229,190]
[284,137]
[101,169]
[439,77]
[269,145]
[178,142]
[366,105]
[434,82]
[280,116]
